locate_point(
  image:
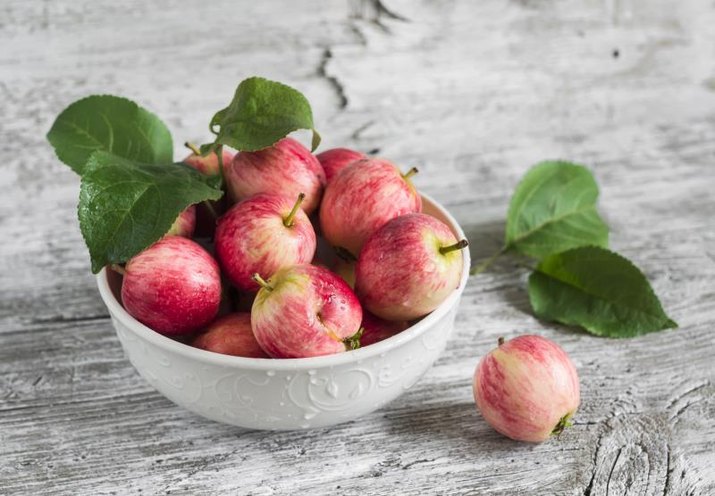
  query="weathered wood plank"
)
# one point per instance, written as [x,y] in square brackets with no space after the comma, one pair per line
[470,92]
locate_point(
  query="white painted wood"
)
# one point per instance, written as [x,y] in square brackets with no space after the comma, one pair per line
[470,92]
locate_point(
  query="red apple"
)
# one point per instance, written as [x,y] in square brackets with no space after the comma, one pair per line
[336,159]
[375,329]
[305,311]
[527,388]
[231,335]
[184,224]
[262,235]
[361,198]
[173,287]
[287,168]
[408,267]
[208,164]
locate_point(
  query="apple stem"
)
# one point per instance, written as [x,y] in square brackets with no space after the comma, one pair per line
[562,424]
[478,269]
[193,148]
[410,173]
[288,221]
[500,341]
[262,282]
[353,342]
[118,269]
[459,245]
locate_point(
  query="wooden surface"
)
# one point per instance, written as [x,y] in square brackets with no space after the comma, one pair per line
[472,93]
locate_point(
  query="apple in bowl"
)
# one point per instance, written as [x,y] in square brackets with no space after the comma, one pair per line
[291,393]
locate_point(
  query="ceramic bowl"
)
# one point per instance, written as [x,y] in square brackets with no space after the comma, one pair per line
[291,393]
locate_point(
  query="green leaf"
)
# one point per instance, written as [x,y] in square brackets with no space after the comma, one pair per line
[261,113]
[111,124]
[554,209]
[598,290]
[126,206]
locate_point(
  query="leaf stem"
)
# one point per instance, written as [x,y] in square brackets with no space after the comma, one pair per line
[262,282]
[288,221]
[193,148]
[478,269]
[459,245]
[524,265]
[219,154]
[210,208]
[118,269]
[410,173]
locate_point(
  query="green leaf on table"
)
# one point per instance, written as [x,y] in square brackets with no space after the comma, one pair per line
[261,113]
[111,124]
[126,206]
[554,209]
[598,290]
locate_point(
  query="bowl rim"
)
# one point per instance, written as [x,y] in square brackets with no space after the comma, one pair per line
[117,311]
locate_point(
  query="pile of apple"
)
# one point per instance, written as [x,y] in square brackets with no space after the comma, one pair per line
[396,264]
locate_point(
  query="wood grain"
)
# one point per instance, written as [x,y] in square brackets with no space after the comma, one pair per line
[472,93]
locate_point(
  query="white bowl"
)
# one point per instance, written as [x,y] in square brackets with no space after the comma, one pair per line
[291,393]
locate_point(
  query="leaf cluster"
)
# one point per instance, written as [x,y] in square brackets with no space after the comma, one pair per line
[553,218]
[131,190]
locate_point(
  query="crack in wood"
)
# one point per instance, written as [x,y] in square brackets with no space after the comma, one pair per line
[613,468]
[633,454]
[594,462]
[361,38]
[356,135]
[332,80]
[383,11]
[668,472]
[375,12]
[673,405]
[65,320]
[200,467]
[416,462]
[92,400]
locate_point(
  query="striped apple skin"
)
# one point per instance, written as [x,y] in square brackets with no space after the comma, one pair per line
[231,335]
[185,223]
[401,274]
[287,168]
[309,312]
[376,329]
[252,238]
[208,165]
[363,197]
[173,287]
[525,386]
[336,159]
